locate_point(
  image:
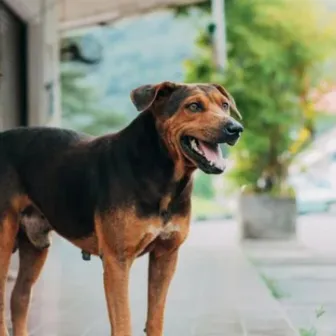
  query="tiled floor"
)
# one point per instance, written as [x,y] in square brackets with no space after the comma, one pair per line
[215,292]
[304,272]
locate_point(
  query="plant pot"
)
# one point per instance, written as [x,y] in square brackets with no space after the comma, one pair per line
[263,216]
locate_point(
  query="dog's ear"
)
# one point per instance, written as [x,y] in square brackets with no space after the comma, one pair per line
[144,96]
[225,93]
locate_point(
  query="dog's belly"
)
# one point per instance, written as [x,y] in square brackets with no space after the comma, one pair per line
[148,240]
[133,237]
[87,244]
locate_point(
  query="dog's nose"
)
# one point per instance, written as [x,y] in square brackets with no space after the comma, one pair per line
[233,128]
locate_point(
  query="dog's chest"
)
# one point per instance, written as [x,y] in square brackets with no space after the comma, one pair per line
[164,232]
[171,226]
[168,223]
[165,228]
[155,234]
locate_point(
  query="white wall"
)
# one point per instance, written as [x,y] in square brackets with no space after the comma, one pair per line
[41,17]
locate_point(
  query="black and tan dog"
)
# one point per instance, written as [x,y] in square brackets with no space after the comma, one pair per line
[117,196]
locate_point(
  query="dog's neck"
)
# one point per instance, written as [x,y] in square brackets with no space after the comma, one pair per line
[144,146]
[150,168]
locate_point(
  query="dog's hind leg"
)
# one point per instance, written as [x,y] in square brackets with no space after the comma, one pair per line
[8,231]
[32,260]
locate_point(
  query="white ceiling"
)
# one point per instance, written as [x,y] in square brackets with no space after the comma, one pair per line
[80,13]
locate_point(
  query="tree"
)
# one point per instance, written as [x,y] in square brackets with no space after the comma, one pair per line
[277,53]
[203,186]
[79,101]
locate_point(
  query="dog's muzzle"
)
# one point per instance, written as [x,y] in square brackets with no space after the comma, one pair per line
[231,132]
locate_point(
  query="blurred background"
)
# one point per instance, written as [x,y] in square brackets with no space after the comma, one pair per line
[73,63]
[277,59]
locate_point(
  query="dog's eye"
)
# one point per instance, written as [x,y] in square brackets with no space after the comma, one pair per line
[195,107]
[226,106]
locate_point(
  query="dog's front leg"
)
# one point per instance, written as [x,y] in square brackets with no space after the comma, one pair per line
[116,263]
[161,270]
[116,278]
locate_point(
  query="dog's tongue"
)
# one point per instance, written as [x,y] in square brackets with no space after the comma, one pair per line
[212,153]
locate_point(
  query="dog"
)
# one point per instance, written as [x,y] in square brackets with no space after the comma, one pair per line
[34,225]
[116,196]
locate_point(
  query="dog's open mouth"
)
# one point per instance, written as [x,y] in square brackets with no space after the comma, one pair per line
[207,156]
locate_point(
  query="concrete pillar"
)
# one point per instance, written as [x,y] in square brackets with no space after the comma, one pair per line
[218,17]
[43,73]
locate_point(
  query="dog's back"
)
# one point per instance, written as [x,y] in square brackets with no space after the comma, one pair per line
[21,143]
[25,152]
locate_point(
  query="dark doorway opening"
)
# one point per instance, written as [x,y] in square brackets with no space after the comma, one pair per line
[13,69]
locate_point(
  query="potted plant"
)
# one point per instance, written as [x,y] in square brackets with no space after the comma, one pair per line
[276,54]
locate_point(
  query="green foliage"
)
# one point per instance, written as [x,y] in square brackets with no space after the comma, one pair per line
[308,332]
[79,104]
[204,209]
[203,186]
[319,312]
[276,54]
[273,287]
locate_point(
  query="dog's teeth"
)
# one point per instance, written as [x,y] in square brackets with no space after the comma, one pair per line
[193,144]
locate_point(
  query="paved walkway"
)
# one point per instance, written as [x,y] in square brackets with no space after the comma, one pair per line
[215,292]
[303,272]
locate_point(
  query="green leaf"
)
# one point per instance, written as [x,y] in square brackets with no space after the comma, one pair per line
[272,68]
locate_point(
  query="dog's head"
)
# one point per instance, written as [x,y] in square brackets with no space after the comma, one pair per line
[192,119]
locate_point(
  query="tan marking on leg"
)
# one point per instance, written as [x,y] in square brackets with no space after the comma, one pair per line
[19,202]
[116,277]
[162,266]
[8,232]
[161,272]
[122,236]
[31,264]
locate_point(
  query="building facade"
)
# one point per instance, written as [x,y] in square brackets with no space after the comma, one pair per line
[29,50]
[29,86]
